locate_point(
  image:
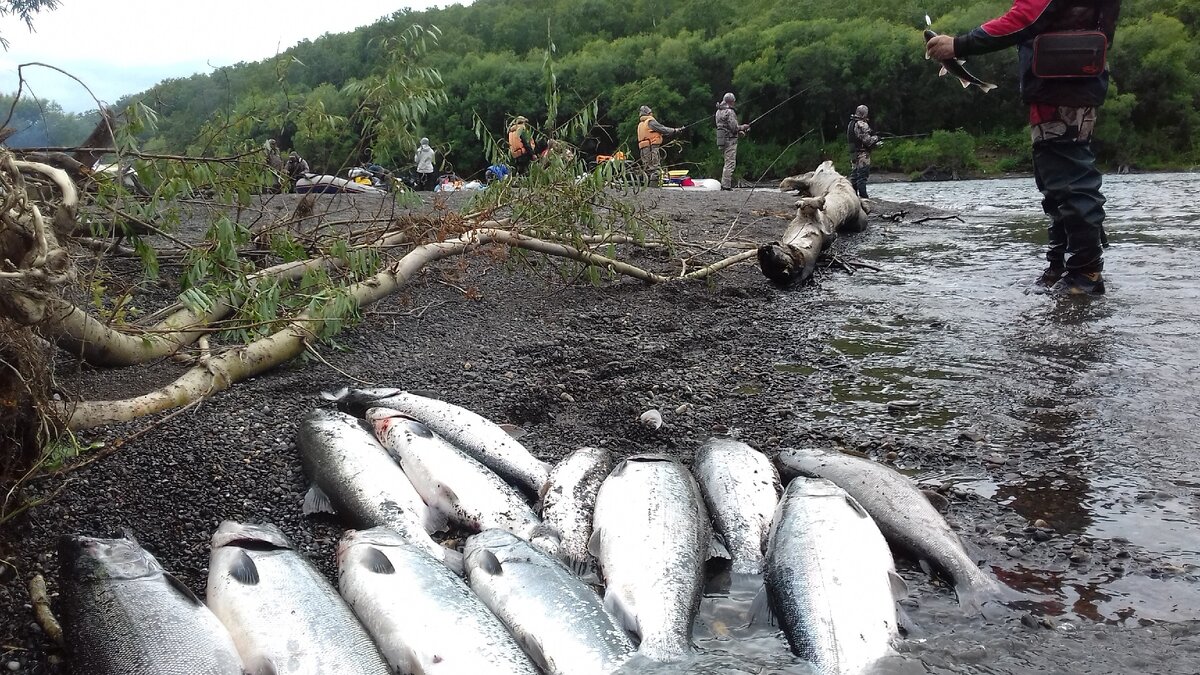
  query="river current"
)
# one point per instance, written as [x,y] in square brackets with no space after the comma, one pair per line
[1089,406]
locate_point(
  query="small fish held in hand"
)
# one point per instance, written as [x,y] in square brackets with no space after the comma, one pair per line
[956,67]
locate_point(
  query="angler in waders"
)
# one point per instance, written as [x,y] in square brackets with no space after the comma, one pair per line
[728,133]
[1061,48]
[650,138]
[521,147]
[862,142]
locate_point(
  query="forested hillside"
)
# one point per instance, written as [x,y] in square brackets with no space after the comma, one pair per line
[494,60]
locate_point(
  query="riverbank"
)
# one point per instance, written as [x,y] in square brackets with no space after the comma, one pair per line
[575,364]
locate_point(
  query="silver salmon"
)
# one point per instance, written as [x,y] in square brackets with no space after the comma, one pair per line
[557,618]
[478,436]
[830,579]
[124,615]
[903,514]
[651,534]
[741,489]
[569,501]
[450,481]
[359,480]
[423,617]
[284,616]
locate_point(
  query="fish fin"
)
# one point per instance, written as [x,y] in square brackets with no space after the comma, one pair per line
[593,546]
[436,521]
[857,507]
[585,569]
[937,500]
[378,562]
[243,570]
[717,547]
[925,567]
[264,667]
[178,585]
[514,431]
[316,501]
[423,393]
[899,586]
[943,72]
[908,627]
[624,615]
[488,562]
[760,609]
[964,83]
[335,395]
[454,560]
[986,86]
[536,654]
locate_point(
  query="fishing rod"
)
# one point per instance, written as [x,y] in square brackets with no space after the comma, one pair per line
[778,105]
[890,137]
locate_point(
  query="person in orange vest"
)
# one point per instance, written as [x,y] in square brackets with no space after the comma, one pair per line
[650,138]
[520,144]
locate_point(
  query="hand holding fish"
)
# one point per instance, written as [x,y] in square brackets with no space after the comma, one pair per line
[940,48]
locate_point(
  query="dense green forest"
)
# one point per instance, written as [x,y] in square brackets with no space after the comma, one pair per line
[543,58]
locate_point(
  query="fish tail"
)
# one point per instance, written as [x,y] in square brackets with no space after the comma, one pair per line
[987,86]
[982,597]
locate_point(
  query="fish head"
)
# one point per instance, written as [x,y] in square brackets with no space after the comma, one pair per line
[357,401]
[803,461]
[92,558]
[802,486]
[396,426]
[257,536]
[484,549]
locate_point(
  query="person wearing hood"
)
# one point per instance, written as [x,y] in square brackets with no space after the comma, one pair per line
[424,160]
[862,142]
[650,137]
[296,166]
[521,147]
[728,132]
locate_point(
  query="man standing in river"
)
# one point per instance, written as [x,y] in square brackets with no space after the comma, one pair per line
[862,141]
[1061,45]
[728,132]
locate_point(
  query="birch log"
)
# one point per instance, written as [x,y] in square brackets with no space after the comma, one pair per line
[828,206]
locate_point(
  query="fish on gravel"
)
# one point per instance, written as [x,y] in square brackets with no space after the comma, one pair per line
[423,617]
[903,513]
[569,501]
[284,616]
[741,489]
[125,615]
[354,476]
[651,535]
[476,435]
[955,67]
[558,619]
[454,484]
[830,579]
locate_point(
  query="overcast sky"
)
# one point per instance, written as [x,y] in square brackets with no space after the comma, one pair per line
[119,47]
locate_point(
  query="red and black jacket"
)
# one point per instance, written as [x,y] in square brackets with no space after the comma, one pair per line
[1029,18]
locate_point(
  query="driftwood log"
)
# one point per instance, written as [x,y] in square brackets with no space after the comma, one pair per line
[828,206]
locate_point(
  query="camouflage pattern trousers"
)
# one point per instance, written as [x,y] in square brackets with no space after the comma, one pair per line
[651,161]
[730,152]
[1064,168]
[860,171]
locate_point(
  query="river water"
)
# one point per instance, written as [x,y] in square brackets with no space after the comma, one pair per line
[1086,410]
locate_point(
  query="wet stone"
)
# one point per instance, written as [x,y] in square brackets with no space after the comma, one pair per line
[1079,557]
[1015,552]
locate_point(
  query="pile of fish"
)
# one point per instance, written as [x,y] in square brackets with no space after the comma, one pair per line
[606,573]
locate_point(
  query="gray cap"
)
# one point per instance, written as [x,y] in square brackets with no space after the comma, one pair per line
[860,111]
[729,97]
[644,110]
[424,141]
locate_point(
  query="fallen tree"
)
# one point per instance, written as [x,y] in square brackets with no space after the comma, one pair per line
[827,207]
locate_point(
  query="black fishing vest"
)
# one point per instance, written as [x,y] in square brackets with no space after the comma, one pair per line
[1052,71]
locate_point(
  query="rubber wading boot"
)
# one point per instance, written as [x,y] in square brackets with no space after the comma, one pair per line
[1047,279]
[1079,283]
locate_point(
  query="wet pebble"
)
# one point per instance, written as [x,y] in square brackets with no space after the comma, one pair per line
[13,666]
[995,458]
[1015,552]
[1078,557]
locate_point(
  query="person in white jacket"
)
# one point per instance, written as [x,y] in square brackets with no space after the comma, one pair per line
[424,160]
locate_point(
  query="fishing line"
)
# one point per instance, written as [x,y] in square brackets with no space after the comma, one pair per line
[764,175]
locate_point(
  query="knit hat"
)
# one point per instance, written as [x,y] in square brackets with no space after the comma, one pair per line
[644,110]
[861,112]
